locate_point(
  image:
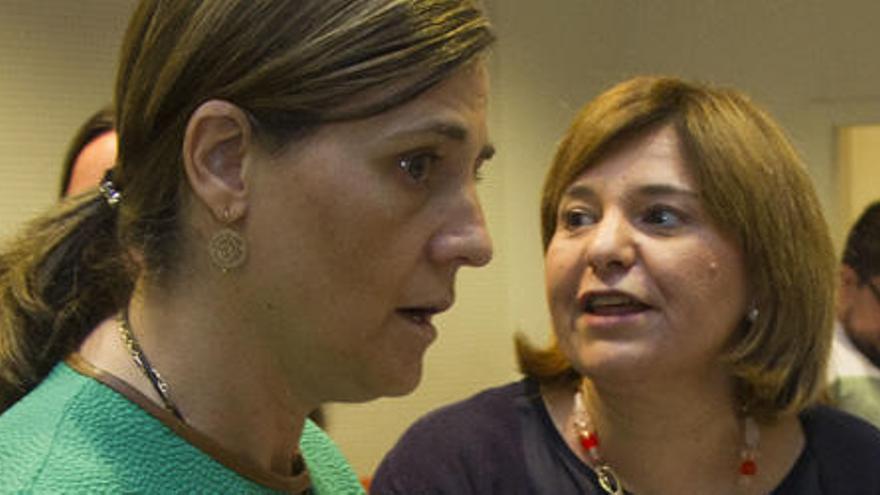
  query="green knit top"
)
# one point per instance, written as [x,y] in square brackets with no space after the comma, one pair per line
[76,434]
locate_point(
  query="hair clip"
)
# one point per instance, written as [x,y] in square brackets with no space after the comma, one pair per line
[111,194]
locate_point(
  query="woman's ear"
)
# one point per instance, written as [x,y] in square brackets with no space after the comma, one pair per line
[217,137]
[848,283]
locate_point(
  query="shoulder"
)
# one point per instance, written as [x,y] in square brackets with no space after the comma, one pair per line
[843,445]
[29,429]
[854,380]
[464,447]
[823,424]
[74,434]
[328,469]
[482,415]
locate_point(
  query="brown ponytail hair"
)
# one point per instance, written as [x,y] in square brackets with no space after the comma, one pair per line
[58,280]
[291,65]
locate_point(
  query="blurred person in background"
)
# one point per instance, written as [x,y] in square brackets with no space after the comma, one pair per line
[90,154]
[855,357]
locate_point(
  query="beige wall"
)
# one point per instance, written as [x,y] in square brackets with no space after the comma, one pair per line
[858,159]
[813,63]
[57,59]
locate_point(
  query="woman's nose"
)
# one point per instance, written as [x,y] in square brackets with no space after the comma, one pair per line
[609,247]
[464,238]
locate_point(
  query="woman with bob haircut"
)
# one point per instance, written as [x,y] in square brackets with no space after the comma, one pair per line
[690,279]
[294,192]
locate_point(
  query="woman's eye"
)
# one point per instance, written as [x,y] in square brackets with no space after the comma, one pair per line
[662,216]
[418,166]
[577,217]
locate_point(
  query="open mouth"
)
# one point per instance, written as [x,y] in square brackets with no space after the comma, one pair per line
[612,304]
[419,315]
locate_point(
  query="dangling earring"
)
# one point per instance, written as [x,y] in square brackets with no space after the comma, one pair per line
[227,247]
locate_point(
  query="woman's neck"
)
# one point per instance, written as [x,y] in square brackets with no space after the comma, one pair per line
[661,408]
[222,380]
[672,437]
[657,440]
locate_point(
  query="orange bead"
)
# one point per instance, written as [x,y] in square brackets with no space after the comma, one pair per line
[748,468]
[589,440]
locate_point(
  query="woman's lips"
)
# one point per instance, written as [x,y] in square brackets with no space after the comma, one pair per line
[420,318]
[611,310]
[611,303]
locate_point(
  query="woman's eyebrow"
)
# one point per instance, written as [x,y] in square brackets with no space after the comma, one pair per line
[665,190]
[444,128]
[585,192]
[580,191]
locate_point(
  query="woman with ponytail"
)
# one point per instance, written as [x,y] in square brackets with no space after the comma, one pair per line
[293,196]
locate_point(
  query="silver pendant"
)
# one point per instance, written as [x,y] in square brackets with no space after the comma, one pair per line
[608,480]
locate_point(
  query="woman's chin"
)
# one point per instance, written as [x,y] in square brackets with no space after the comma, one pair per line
[397,385]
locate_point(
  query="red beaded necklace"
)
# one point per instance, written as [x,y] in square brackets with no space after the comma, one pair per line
[608,479]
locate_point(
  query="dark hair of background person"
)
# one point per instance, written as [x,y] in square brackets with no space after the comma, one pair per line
[291,65]
[100,123]
[862,250]
[757,190]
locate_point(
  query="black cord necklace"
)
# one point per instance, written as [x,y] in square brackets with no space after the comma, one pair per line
[141,361]
[298,465]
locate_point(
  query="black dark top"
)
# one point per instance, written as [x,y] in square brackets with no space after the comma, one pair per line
[503,441]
